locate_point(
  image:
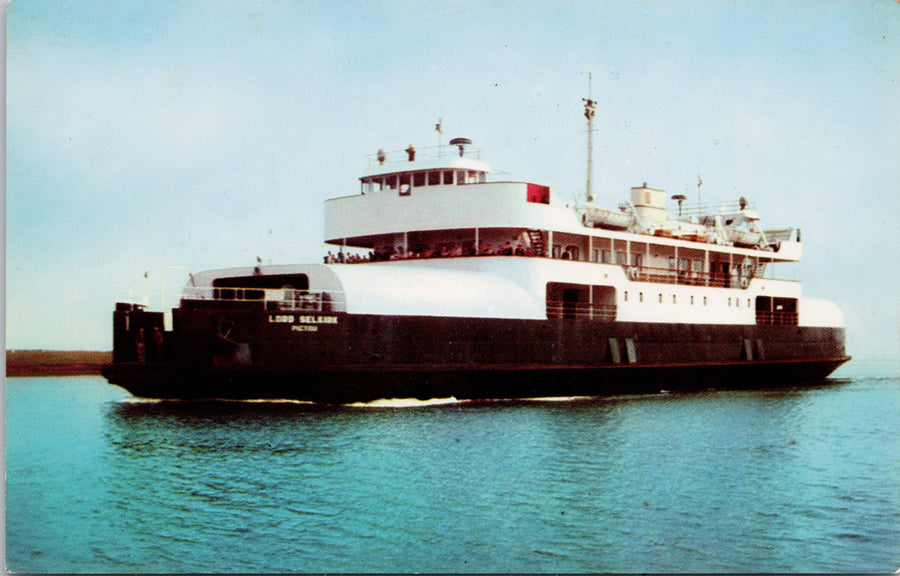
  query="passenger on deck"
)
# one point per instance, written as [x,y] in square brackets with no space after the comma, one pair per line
[520,250]
[140,346]
[506,249]
[156,345]
[487,250]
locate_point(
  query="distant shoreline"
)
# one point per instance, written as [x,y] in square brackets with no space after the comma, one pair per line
[55,362]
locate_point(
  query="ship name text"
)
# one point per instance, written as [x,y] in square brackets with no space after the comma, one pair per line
[301,319]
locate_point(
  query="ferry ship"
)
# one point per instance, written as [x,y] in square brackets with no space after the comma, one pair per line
[474,288]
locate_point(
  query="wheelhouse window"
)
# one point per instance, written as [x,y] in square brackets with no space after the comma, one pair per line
[537,194]
[419,179]
[404,184]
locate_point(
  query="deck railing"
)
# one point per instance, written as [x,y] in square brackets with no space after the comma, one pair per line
[586,310]
[685,277]
[779,317]
[688,209]
[449,151]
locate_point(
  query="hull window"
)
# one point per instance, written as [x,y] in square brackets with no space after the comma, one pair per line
[581,301]
[771,310]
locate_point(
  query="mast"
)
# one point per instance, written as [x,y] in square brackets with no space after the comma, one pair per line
[589,106]
[699,184]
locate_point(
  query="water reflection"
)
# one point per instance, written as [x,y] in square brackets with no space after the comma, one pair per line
[654,483]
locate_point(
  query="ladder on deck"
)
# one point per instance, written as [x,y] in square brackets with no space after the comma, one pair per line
[536,238]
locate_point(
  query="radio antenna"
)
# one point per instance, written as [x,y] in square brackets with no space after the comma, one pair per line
[589,106]
[699,184]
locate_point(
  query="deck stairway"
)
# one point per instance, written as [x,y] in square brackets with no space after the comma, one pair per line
[536,238]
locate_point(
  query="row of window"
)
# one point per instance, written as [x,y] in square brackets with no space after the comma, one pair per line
[637,260]
[405,181]
[732,302]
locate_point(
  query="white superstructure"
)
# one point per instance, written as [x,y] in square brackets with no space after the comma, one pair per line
[444,240]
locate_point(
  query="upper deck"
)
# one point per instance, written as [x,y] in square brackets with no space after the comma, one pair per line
[443,196]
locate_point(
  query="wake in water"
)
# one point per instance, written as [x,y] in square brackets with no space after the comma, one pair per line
[405,403]
[381,403]
[136,400]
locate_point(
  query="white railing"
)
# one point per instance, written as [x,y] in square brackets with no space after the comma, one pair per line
[429,152]
[689,209]
[776,236]
[271,298]
[562,309]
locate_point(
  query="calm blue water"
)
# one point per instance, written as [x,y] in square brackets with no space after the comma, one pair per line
[779,480]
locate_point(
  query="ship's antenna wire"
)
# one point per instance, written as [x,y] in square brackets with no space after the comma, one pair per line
[589,112]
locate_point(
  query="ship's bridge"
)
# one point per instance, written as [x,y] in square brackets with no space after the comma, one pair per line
[400,172]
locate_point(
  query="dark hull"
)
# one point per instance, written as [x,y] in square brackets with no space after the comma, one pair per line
[245,353]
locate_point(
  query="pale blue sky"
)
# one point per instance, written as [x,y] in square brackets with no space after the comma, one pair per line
[163,136]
